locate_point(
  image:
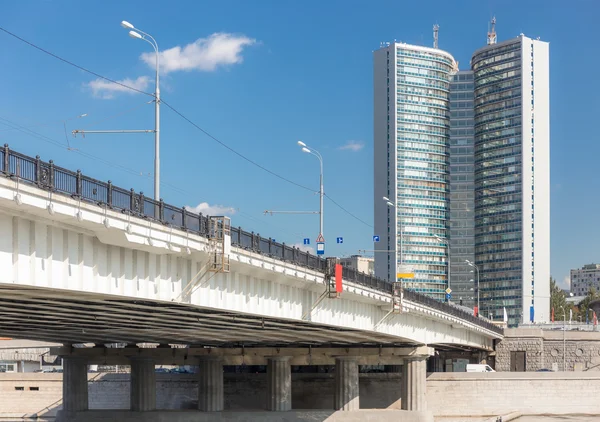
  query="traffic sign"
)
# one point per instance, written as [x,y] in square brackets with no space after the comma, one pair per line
[340,240]
[320,248]
[375,238]
[448,290]
[405,271]
[448,296]
[273,240]
[307,241]
[320,238]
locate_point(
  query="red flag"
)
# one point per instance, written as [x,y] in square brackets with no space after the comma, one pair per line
[475,311]
[552,314]
[338,278]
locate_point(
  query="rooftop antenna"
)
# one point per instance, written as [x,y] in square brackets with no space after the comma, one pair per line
[436,29]
[491,38]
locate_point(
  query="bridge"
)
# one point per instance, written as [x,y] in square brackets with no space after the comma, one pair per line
[88,263]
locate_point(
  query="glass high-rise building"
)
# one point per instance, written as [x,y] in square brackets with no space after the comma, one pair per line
[512,178]
[464,159]
[411,138]
[462,188]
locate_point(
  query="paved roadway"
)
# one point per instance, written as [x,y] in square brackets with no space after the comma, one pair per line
[558,419]
[525,419]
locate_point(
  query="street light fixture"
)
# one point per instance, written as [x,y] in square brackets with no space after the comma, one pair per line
[141,35]
[564,339]
[477,269]
[447,245]
[391,204]
[317,154]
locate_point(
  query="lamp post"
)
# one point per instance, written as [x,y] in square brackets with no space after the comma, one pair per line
[477,269]
[391,204]
[447,245]
[317,154]
[139,34]
[564,339]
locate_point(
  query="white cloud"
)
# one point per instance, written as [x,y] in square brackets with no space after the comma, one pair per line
[354,146]
[204,54]
[566,283]
[303,247]
[207,209]
[106,90]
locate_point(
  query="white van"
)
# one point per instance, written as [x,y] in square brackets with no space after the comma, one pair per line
[479,368]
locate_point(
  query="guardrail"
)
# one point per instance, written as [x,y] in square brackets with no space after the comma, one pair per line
[48,176]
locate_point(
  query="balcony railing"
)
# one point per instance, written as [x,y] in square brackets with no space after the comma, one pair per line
[48,176]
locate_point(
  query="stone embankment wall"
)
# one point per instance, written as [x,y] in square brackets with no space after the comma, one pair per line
[543,348]
[500,393]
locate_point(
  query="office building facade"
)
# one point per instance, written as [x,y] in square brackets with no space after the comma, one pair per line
[411,142]
[584,279]
[512,179]
[464,159]
[462,189]
[363,264]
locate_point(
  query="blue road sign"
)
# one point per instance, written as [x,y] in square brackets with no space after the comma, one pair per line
[321,248]
[340,240]
[375,238]
[273,240]
[448,296]
[307,240]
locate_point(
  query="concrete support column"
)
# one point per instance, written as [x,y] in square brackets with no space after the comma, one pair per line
[414,383]
[279,383]
[210,384]
[346,384]
[75,384]
[143,384]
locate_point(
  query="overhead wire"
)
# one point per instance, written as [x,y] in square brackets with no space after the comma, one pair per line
[205,132]
[73,64]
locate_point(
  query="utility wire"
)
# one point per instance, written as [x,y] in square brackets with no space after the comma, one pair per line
[73,64]
[233,150]
[186,119]
[348,212]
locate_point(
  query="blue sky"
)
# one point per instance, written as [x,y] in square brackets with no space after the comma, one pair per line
[260,75]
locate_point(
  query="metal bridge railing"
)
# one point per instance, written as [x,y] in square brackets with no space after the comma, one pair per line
[48,176]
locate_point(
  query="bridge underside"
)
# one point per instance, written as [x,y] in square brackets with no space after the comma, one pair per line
[79,317]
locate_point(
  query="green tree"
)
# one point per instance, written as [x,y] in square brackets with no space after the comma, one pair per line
[584,305]
[558,300]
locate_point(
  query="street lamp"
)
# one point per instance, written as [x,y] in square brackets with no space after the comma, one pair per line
[139,34]
[447,245]
[476,268]
[317,154]
[399,226]
[564,338]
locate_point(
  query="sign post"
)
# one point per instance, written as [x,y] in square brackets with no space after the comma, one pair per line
[320,245]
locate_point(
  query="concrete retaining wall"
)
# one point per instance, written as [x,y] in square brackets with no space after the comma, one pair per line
[490,394]
[180,391]
[256,416]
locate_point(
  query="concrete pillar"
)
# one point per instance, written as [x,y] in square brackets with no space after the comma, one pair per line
[346,384]
[210,384]
[414,383]
[75,384]
[279,383]
[143,384]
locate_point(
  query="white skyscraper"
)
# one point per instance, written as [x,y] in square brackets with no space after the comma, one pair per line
[499,165]
[512,178]
[411,138]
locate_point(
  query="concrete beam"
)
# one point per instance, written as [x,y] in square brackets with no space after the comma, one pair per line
[247,356]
